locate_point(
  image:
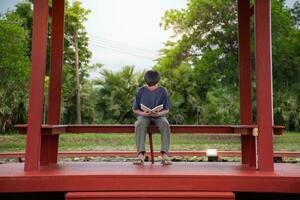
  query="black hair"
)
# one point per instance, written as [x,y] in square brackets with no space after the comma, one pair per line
[152,77]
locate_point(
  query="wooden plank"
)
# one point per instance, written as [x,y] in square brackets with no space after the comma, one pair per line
[37,79]
[68,154]
[117,176]
[248,143]
[49,143]
[264,96]
[152,129]
[129,128]
[150,195]
[46,129]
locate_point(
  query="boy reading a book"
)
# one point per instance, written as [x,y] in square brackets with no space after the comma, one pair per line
[151,103]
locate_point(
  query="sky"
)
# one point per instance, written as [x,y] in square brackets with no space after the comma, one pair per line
[127,32]
[124,32]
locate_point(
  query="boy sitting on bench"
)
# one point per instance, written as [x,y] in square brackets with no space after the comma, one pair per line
[151,103]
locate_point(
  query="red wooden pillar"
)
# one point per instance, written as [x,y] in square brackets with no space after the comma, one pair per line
[49,148]
[248,143]
[263,62]
[36,90]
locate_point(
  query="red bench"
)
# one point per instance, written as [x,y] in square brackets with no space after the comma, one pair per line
[129,128]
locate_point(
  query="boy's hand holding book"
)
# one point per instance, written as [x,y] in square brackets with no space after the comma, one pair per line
[154,112]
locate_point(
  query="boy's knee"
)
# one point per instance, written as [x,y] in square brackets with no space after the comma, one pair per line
[164,122]
[140,123]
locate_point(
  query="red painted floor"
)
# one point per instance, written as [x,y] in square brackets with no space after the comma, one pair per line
[123,176]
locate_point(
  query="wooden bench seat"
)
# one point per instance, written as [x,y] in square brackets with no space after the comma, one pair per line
[129,128]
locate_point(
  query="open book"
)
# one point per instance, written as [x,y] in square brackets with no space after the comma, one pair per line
[153,110]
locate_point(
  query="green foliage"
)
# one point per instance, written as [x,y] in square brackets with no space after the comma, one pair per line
[16,29]
[75,16]
[205,42]
[207,48]
[199,66]
[286,65]
[207,33]
[24,11]
[115,95]
[296,13]
[14,68]
[181,86]
[222,107]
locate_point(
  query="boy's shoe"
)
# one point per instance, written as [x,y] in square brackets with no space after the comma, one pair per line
[139,159]
[165,159]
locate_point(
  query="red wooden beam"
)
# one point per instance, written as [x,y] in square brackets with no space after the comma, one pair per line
[146,195]
[152,129]
[151,148]
[49,145]
[56,61]
[37,78]
[248,143]
[263,61]
[68,154]
[46,129]
[129,128]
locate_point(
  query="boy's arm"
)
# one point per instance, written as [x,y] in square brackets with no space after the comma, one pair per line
[136,108]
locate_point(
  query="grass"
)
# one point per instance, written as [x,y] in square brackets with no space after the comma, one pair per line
[126,142]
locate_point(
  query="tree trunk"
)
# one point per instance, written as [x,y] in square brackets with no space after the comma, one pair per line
[78,88]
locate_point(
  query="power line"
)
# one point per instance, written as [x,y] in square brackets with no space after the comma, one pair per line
[118,43]
[121,51]
[122,47]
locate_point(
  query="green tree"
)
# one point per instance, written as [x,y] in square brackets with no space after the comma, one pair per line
[24,11]
[205,40]
[74,81]
[180,82]
[296,13]
[115,95]
[14,69]
[77,57]
[286,65]
[206,33]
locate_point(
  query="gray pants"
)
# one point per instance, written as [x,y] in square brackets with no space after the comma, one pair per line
[141,131]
